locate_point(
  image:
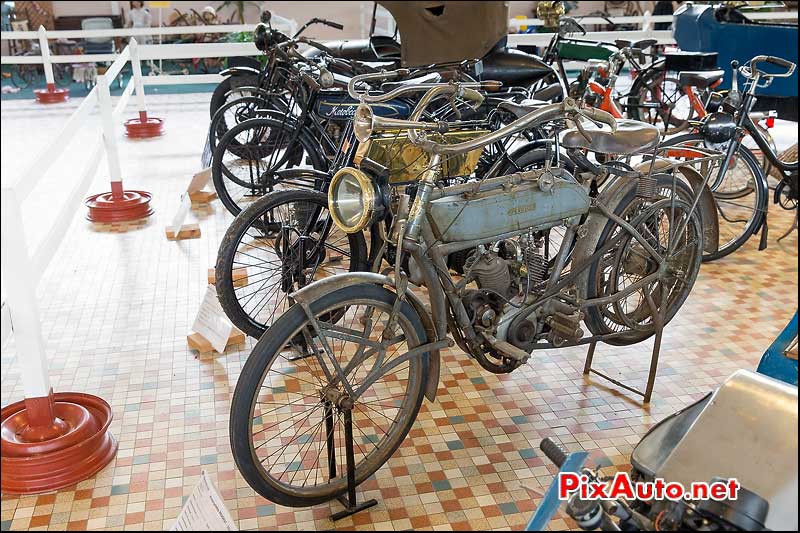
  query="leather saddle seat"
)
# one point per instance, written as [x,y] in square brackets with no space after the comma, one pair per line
[700,78]
[631,137]
[644,44]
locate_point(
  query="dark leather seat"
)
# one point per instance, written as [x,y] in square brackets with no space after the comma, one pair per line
[522,108]
[644,44]
[700,78]
[631,137]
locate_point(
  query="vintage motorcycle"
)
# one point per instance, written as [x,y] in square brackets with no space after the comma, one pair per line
[341,375]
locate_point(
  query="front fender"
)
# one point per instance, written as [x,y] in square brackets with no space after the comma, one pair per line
[325,286]
[239,71]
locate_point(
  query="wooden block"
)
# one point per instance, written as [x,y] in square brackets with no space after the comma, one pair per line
[187,231]
[791,353]
[239,277]
[199,343]
[202,197]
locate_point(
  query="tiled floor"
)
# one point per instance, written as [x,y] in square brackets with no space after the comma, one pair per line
[116,308]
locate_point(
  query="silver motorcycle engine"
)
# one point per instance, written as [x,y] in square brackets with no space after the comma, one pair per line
[490,272]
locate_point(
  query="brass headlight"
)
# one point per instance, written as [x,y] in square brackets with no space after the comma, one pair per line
[362,123]
[353,200]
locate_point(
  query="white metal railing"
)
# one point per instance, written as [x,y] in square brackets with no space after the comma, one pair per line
[645,31]
[146,52]
[24,268]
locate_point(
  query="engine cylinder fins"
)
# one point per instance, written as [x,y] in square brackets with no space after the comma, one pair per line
[490,272]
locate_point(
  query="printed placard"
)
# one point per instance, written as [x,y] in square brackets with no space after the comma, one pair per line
[211,321]
[204,510]
[180,215]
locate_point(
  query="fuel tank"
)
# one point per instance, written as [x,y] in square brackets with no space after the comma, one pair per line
[335,105]
[497,209]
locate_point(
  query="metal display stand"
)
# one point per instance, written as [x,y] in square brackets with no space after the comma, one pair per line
[658,325]
[351,506]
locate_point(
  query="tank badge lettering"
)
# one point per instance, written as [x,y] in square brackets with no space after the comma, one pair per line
[521,209]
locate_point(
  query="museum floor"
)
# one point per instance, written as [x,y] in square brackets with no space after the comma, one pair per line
[116,306]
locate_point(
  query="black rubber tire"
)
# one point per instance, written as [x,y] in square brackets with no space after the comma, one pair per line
[633,103]
[226,292]
[220,175]
[594,317]
[219,127]
[260,360]
[220,95]
[762,196]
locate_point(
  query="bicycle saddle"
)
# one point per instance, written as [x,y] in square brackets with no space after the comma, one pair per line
[631,136]
[644,44]
[523,108]
[700,78]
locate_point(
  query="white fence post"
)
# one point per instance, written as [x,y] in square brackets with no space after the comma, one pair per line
[109,136]
[21,300]
[48,66]
[137,79]
[646,22]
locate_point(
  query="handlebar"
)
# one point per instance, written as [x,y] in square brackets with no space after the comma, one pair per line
[332,24]
[566,109]
[751,69]
[366,98]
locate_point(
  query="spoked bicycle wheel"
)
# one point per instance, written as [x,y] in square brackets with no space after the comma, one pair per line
[659,100]
[741,196]
[249,157]
[283,241]
[628,262]
[287,415]
[232,113]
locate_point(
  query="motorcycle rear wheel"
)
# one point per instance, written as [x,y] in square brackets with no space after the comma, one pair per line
[631,316]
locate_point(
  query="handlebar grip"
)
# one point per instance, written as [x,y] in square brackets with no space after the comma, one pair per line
[333,24]
[491,85]
[777,61]
[553,451]
[473,96]
[601,116]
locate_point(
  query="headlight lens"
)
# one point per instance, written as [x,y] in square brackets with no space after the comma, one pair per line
[352,200]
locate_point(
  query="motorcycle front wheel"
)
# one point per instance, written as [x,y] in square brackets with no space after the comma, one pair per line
[287,415]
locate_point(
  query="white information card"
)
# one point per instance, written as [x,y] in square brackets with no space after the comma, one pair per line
[180,214]
[204,510]
[211,321]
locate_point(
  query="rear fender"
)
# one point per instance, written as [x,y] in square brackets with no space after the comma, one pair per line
[325,286]
[706,205]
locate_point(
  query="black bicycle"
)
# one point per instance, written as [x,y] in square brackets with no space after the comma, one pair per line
[740,187]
